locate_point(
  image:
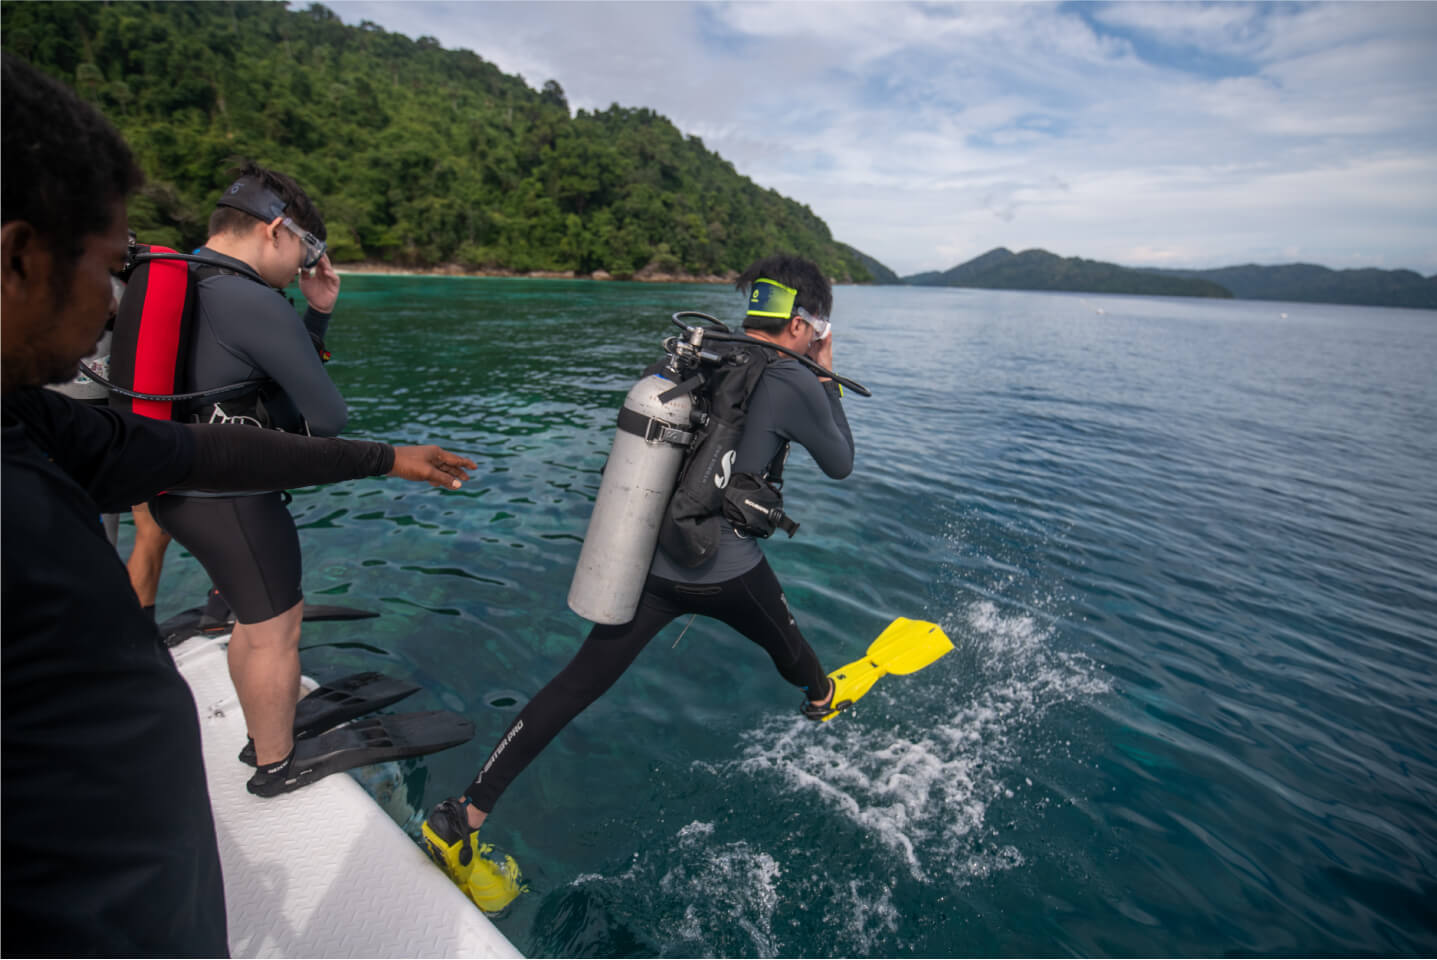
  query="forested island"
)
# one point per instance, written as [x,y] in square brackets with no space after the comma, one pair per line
[1002,269]
[419,157]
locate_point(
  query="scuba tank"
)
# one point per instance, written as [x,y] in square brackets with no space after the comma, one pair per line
[649,447]
[662,431]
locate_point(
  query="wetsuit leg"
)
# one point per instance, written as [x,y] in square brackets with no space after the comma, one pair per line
[248,545]
[754,605]
[605,655]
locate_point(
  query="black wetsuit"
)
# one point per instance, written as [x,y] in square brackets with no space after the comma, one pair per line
[108,843]
[244,330]
[736,586]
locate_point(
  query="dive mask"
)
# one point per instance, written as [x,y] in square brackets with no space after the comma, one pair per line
[257,200]
[313,246]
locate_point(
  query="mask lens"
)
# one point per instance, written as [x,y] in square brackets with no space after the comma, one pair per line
[313,247]
[820,325]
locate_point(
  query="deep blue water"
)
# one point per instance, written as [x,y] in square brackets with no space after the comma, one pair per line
[1187,551]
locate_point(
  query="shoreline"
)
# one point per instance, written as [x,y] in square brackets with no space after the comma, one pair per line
[646,275]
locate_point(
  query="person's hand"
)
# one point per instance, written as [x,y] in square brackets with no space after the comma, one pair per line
[320,286]
[432,465]
[821,353]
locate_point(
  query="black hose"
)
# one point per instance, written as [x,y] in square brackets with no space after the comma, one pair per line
[201,395]
[717,330]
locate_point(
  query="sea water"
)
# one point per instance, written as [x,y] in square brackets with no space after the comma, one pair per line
[1186,549]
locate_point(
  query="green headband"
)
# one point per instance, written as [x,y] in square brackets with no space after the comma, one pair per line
[770,298]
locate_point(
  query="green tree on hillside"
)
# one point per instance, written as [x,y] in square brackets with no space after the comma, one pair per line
[417,155]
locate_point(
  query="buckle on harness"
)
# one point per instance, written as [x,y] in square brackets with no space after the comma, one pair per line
[660,432]
[652,430]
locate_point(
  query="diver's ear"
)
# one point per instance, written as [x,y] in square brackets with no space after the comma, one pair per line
[25,261]
[272,230]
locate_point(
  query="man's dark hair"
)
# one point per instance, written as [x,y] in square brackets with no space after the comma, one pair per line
[297,205]
[814,292]
[64,164]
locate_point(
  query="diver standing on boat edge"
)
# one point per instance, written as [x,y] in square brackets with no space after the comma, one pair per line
[789,302]
[264,232]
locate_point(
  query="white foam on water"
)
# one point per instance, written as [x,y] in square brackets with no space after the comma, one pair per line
[863,918]
[723,887]
[922,786]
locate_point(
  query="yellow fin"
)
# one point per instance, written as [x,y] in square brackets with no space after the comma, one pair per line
[905,646]
[493,886]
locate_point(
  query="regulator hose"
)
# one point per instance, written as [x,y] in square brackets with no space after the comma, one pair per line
[715,329]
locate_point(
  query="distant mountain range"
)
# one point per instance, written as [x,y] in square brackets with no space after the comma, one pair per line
[1002,269]
[1308,282]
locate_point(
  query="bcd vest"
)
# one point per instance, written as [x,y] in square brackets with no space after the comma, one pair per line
[709,494]
[153,340]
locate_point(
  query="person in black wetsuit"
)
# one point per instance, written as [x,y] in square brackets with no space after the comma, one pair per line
[107,845]
[736,585]
[263,232]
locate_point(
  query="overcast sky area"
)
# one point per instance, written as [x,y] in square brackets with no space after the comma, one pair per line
[1165,134]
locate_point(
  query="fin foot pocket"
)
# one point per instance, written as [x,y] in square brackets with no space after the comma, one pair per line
[449,841]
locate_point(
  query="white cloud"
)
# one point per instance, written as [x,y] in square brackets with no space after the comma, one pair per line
[1187,134]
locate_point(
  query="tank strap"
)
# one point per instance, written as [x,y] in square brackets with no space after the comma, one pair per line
[652,430]
[679,390]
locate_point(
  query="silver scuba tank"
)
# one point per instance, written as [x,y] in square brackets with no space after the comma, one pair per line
[649,447]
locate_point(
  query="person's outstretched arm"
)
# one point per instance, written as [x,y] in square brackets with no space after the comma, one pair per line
[244,458]
[121,459]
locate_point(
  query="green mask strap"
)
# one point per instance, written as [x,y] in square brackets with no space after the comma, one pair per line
[769,298]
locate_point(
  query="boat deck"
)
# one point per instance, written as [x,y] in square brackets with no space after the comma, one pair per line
[323,871]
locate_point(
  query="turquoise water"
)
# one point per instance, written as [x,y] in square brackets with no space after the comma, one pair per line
[1185,550]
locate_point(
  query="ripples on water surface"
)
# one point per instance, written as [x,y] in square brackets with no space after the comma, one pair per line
[1185,550]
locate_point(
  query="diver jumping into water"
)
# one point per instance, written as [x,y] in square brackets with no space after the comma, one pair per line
[789,305]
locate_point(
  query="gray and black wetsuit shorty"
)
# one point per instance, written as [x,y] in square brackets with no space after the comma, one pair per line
[245,330]
[736,586]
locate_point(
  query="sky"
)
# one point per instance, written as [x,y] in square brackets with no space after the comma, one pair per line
[1148,134]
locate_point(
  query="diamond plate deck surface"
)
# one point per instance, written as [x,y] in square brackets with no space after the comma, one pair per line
[323,871]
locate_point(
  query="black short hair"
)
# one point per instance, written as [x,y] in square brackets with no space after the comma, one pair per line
[814,292]
[64,164]
[297,205]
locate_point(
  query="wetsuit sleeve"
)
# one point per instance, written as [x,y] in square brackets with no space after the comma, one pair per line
[814,417]
[265,333]
[120,459]
[316,323]
[243,458]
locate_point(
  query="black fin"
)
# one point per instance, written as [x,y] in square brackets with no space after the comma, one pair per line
[348,697]
[195,621]
[371,740]
[339,701]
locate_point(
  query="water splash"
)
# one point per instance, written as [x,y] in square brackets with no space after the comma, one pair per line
[728,892]
[922,785]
